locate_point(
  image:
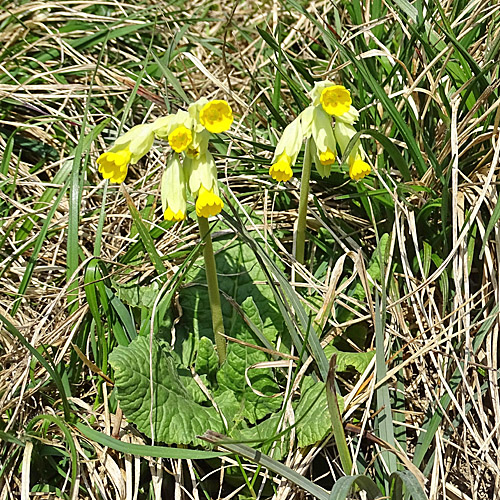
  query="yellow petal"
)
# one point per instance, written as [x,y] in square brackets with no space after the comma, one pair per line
[180,138]
[281,170]
[216,116]
[208,203]
[172,216]
[358,169]
[336,100]
[114,165]
[327,157]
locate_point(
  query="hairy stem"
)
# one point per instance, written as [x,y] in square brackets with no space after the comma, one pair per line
[300,238]
[213,289]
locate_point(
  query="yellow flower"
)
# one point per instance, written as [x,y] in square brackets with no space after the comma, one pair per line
[336,100]
[324,140]
[287,150]
[327,157]
[201,171]
[281,170]
[180,139]
[208,203]
[358,168]
[216,116]
[114,166]
[178,129]
[129,148]
[173,190]
[175,217]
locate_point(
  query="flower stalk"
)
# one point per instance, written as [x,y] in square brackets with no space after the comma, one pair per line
[300,237]
[213,289]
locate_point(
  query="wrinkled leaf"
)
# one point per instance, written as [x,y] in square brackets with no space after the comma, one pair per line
[358,360]
[232,374]
[311,413]
[176,416]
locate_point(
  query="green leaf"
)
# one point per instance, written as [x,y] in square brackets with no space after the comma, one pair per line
[206,358]
[176,416]
[264,431]
[137,295]
[232,374]
[358,360]
[240,276]
[343,486]
[413,488]
[311,413]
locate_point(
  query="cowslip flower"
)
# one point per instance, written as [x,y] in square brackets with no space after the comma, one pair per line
[286,152]
[127,149]
[358,168]
[319,124]
[334,99]
[192,168]
[208,203]
[203,184]
[216,116]
[173,190]
[177,129]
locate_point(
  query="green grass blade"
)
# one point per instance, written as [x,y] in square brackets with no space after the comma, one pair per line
[145,235]
[145,450]
[342,488]
[413,488]
[266,461]
[51,370]
[69,439]
[30,267]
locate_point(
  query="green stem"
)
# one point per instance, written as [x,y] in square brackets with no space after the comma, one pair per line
[300,238]
[213,289]
[336,418]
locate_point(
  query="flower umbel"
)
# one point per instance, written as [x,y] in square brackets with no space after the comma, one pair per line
[208,203]
[336,100]
[281,170]
[216,116]
[114,165]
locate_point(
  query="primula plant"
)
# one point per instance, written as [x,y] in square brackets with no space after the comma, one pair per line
[190,169]
[314,124]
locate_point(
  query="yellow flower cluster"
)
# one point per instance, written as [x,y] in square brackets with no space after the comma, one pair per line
[328,100]
[190,168]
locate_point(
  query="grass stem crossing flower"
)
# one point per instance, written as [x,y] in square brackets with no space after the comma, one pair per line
[358,168]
